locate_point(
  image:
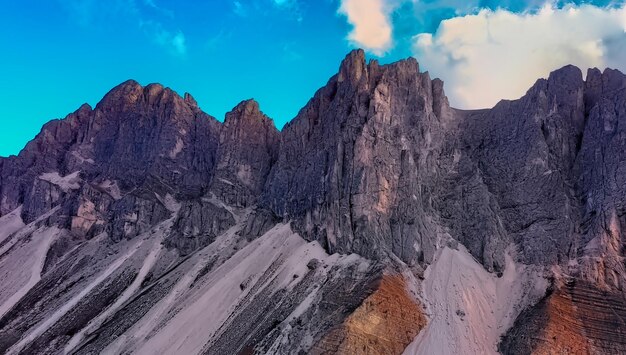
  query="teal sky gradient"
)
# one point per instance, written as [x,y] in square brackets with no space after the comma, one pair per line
[58,54]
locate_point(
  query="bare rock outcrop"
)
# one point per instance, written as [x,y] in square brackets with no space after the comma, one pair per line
[247,150]
[118,219]
[351,164]
[385,323]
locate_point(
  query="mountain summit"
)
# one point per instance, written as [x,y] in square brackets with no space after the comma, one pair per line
[380,220]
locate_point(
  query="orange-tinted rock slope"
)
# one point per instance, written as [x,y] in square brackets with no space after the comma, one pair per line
[577,318]
[385,323]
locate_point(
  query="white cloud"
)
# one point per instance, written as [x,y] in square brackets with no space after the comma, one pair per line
[152,5]
[499,54]
[292,6]
[172,41]
[178,43]
[239,9]
[372,24]
[90,13]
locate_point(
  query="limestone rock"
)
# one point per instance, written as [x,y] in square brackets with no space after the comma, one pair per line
[117,220]
[247,150]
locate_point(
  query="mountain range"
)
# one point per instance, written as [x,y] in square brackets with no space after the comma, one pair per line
[380,220]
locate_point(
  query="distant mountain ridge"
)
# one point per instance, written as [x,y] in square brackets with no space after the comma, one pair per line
[379,220]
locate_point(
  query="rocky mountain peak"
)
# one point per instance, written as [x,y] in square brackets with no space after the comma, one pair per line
[607,82]
[567,85]
[125,93]
[353,67]
[172,219]
[569,75]
[154,94]
[80,116]
[246,120]
[84,110]
[132,97]
[328,179]
[190,100]
[248,146]
[247,109]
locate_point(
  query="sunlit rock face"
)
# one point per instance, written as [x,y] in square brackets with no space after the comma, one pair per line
[385,323]
[379,220]
[355,164]
[577,318]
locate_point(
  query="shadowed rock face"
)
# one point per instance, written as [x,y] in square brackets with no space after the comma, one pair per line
[524,153]
[248,148]
[136,141]
[587,314]
[131,214]
[353,164]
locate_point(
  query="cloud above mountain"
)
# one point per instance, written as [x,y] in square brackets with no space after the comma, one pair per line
[371,23]
[499,54]
[155,21]
[489,50]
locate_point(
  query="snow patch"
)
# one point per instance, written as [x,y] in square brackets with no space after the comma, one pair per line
[65,183]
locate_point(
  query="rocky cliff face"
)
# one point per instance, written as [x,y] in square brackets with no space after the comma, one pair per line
[354,163]
[379,219]
[248,148]
[585,314]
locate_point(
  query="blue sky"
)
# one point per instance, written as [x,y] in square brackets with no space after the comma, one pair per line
[59,54]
